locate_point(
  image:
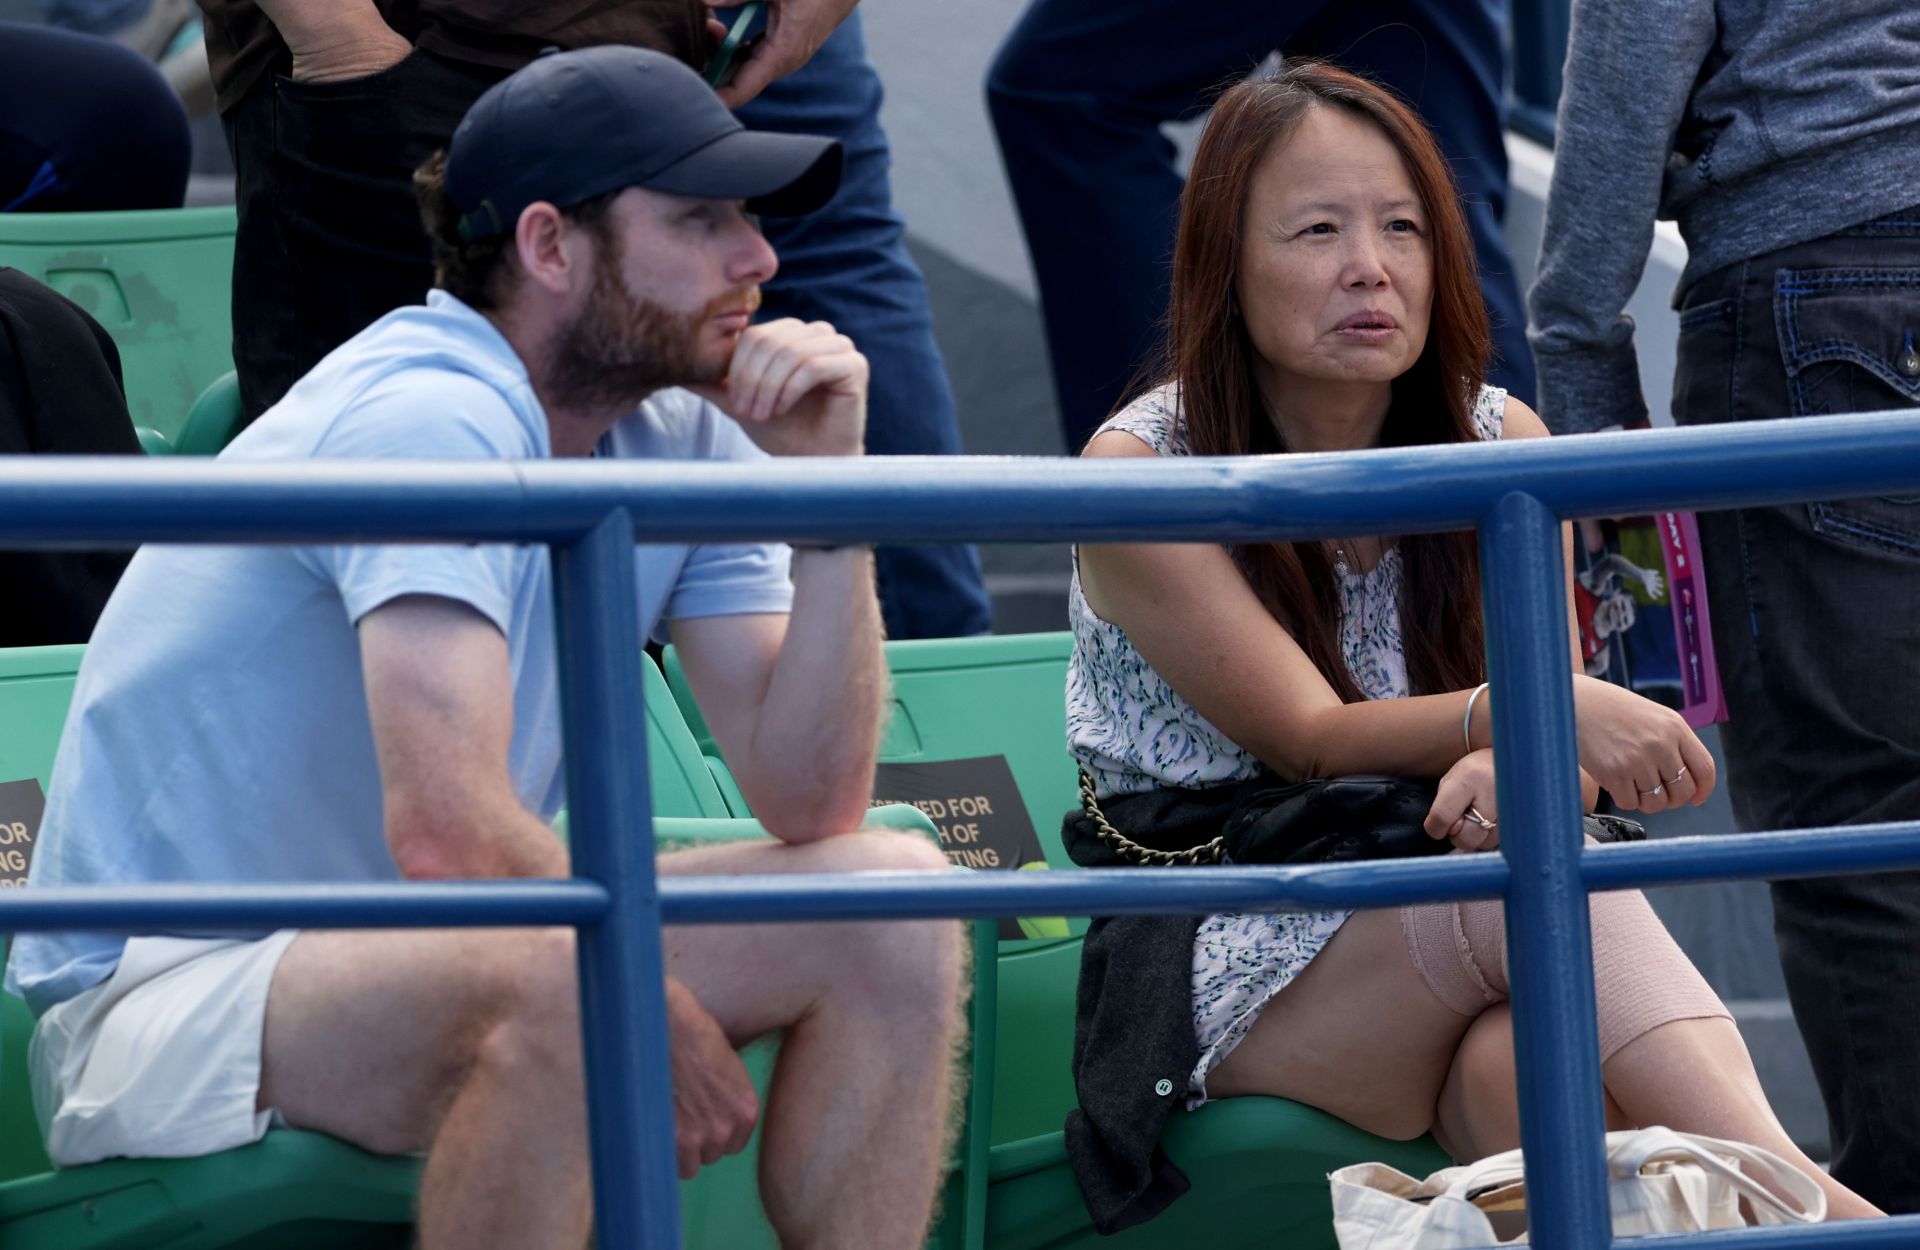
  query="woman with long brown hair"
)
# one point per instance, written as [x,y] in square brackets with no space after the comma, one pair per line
[1324,299]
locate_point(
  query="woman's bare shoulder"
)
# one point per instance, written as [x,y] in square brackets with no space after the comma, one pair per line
[1520,421]
[1109,443]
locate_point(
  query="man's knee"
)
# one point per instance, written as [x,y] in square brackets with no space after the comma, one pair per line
[903,966]
[880,850]
[530,1019]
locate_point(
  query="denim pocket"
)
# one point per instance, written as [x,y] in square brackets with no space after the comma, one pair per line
[1850,342]
[1849,338]
[367,86]
[360,123]
[1886,523]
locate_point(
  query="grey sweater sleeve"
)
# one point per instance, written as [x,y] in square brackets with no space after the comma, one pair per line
[1631,65]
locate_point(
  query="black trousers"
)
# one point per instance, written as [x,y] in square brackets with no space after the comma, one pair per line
[330,237]
[1816,626]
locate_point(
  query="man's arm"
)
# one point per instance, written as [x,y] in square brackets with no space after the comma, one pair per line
[794,701]
[1630,70]
[440,695]
[334,40]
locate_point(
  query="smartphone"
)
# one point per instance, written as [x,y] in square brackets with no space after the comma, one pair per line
[739,37]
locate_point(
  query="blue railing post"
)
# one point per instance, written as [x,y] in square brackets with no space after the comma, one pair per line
[609,819]
[1549,947]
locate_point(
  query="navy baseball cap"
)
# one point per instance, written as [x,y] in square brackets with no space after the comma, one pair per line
[573,125]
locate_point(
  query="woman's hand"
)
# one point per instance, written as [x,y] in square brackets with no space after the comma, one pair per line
[1466,811]
[1643,754]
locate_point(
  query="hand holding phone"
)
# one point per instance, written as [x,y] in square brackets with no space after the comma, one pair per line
[720,68]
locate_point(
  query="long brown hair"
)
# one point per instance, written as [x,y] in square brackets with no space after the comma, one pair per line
[1210,357]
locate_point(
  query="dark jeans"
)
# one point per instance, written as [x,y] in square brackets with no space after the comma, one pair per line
[1816,625]
[848,265]
[329,235]
[1078,94]
[330,239]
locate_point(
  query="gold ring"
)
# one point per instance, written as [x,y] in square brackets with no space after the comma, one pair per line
[1675,779]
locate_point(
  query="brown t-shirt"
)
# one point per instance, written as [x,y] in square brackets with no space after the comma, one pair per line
[242,45]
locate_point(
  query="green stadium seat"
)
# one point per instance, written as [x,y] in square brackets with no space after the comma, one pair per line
[160,281]
[297,1190]
[1258,1165]
[213,420]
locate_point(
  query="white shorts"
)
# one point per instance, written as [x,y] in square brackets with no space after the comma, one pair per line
[162,1059]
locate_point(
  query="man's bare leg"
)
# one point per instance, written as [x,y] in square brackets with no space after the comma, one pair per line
[851,1152]
[466,1044]
[463,1044]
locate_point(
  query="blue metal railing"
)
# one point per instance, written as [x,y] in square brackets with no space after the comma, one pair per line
[1515,494]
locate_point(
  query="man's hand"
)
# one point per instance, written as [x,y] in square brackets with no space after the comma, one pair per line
[798,388]
[333,41]
[714,1105]
[795,31]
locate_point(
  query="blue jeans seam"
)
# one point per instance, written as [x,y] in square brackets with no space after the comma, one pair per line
[1706,314]
[1809,281]
[1906,542]
[1740,295]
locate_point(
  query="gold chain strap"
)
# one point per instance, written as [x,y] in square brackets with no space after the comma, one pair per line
[1211,852]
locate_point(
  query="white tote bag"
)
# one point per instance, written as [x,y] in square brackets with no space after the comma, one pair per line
[1659,1181]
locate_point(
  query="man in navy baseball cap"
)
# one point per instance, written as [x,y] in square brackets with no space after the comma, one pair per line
[574,125]
[597,270]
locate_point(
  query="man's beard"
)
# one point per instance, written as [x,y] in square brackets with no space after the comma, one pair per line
[619,348]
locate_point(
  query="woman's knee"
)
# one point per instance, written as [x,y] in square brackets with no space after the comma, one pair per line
[1460,951]
[1479,1108]
[1641,977]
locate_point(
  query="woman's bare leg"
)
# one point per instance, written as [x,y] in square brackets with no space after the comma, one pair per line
[1479,1110]
[1690,1075]
[1360,1008]
[1696,1076]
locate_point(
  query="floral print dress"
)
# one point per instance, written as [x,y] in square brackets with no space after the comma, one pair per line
[1131,732]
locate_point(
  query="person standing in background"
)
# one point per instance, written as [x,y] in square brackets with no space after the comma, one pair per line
[1080,89]
[849,266]
[1785,141]
[330,104]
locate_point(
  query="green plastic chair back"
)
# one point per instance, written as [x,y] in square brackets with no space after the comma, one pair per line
[160,281]
[213,420]
[954,698]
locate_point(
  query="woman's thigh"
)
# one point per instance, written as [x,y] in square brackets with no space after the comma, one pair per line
[1357,1034]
